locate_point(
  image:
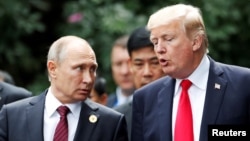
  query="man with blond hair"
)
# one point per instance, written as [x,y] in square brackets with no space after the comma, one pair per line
[197,90]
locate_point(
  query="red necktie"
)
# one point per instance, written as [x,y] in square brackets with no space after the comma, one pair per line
[61,133]
[184,120]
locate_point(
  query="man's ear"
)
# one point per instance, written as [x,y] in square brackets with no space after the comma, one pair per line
[51,65]
[197,42]
[104,98]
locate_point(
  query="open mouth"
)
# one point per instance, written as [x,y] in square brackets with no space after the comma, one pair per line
[163,62]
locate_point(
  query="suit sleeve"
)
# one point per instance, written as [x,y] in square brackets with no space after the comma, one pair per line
[121,132]
[137,118]
[17,96]
[3,124]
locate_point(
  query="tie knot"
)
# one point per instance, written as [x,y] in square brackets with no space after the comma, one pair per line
[63,110]
[185,84]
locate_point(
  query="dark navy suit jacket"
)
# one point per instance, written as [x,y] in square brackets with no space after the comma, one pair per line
[126,109]
[23,121]
[229,104]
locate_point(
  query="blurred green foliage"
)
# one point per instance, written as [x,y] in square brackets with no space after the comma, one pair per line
[28,28]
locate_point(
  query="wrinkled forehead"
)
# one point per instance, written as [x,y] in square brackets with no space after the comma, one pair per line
[81,49]
[76,47]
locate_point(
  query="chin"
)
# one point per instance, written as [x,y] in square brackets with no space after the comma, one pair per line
[81,98]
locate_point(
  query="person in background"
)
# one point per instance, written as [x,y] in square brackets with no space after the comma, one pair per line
[121,73]
[71,66]
[218,93]
[144,66]
[6,77]
[99,93]
[8,91]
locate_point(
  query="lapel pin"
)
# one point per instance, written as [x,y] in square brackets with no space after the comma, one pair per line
[217,86]
[92,118]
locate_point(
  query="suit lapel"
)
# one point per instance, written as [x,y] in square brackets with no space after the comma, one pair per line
[214,95]
[35,113]
[165,98]
[86,122]
[34,118]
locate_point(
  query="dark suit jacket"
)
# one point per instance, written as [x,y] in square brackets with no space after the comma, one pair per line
[229,104]
[23,121]
[10,93]
[126,109]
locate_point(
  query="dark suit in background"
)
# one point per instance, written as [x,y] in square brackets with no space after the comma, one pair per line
[10,93]
[126,109]
[112,100]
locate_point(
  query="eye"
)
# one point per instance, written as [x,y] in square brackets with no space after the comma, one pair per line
[138,64]
[93,69]
[117,64]
[155,63]
[169,38]
[154,41]
[80,68]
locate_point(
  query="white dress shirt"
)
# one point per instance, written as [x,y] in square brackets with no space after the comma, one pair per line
[52,117]
[197,93]
[121,98]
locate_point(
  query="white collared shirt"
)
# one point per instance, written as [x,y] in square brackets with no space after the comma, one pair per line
[197,93]
[52,117]
[121,98]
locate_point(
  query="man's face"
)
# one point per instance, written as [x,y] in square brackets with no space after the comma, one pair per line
[120,69]
[174,49]
[73,78]
[145,66]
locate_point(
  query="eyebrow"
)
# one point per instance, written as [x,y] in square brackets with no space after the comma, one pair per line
[152,58]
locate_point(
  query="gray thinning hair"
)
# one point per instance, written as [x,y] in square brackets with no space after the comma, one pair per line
[58,49]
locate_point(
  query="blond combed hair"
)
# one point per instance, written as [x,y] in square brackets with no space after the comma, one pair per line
[189,16]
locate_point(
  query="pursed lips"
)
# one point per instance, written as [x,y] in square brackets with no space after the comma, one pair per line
[84,91]
[163,62]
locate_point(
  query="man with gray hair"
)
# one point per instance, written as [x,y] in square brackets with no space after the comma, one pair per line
[6,77]
[9,92]
[63,112]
